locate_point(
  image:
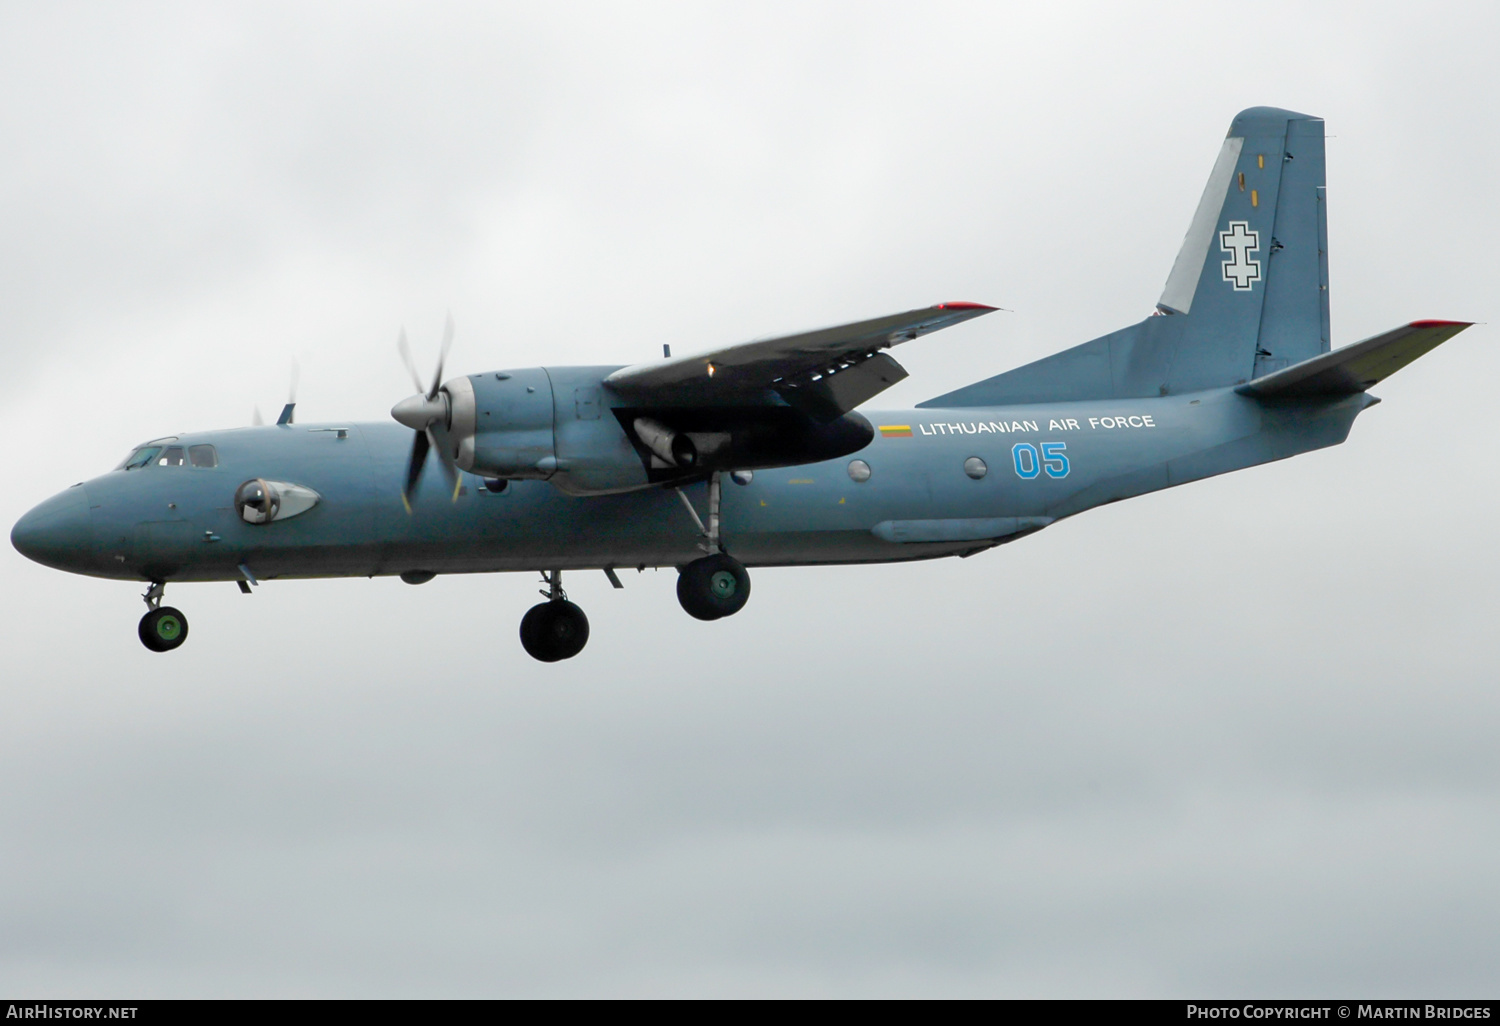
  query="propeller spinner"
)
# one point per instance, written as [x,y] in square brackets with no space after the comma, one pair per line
[429,415]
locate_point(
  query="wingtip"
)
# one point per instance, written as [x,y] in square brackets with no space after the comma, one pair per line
[966,306]
[1441,324]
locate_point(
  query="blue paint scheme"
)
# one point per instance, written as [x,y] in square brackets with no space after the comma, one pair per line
[1185,394]
[799,515]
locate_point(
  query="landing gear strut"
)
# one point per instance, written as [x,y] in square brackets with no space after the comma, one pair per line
[716,585]
[555,629]
[162,628]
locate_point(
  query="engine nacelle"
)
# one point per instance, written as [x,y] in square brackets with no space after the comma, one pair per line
[543,424]
[562,424]
[502,424]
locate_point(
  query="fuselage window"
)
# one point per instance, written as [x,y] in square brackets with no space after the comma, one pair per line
[172,456]
[203,456]
[140,458]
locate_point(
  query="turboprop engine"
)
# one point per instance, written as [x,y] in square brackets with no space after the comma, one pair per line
[771,402]
[565,425]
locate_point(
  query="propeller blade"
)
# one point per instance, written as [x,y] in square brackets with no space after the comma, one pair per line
[419,445]
[437,378]
[441,442]
[411,366]
[427,416]
[256,420]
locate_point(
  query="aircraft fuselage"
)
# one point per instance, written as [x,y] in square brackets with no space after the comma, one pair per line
[923,496]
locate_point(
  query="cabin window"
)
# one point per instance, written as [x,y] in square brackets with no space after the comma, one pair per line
[203,456]
[140,458]
[172,456]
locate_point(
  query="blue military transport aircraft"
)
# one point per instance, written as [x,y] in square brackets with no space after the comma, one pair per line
[755,455]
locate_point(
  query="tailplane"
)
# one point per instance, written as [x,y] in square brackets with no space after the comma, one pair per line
[1246,297]
[1354,368]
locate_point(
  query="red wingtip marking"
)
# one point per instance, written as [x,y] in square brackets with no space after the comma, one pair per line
[1438,324]
[964,306]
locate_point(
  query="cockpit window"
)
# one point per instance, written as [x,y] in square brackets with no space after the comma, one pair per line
[172,456]
[203,456]
[140,458]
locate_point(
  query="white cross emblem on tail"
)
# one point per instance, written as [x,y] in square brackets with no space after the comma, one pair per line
[1240,242]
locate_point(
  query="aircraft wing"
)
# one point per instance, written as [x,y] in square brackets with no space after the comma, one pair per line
[825,373]
[1356,367]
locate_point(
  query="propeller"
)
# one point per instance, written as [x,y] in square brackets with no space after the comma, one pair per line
[427,413]
[256,420]
[291,397]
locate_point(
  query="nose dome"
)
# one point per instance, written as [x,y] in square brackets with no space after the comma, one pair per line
[58,533]
[418,411]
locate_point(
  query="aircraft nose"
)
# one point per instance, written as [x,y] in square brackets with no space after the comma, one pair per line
[58,533]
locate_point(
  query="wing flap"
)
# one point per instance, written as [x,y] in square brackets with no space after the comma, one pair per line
[1356,367]
[836,394]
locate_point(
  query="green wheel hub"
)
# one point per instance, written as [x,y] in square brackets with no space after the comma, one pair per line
[163,629]
[723,584]
[713,586]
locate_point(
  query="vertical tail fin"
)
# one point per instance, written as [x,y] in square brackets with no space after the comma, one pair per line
[1253,269]
[1247,295]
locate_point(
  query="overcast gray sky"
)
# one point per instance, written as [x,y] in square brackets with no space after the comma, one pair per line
[1236,738]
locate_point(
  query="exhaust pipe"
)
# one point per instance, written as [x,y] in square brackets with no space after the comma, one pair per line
[671,447]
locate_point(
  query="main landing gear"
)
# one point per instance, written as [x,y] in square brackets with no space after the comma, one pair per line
[162,628]
[715,585]
[555,629]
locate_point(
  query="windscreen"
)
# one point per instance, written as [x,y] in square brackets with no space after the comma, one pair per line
[140,458]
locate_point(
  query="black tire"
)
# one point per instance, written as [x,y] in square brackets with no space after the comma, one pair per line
[713,587]
[163,629]
[551,631]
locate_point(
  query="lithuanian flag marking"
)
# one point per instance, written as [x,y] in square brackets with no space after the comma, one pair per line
[895,431]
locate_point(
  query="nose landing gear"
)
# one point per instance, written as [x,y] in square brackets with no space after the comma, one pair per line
[555,629]
[162,628]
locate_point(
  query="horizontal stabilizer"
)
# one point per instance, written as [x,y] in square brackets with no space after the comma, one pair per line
[1354,368]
